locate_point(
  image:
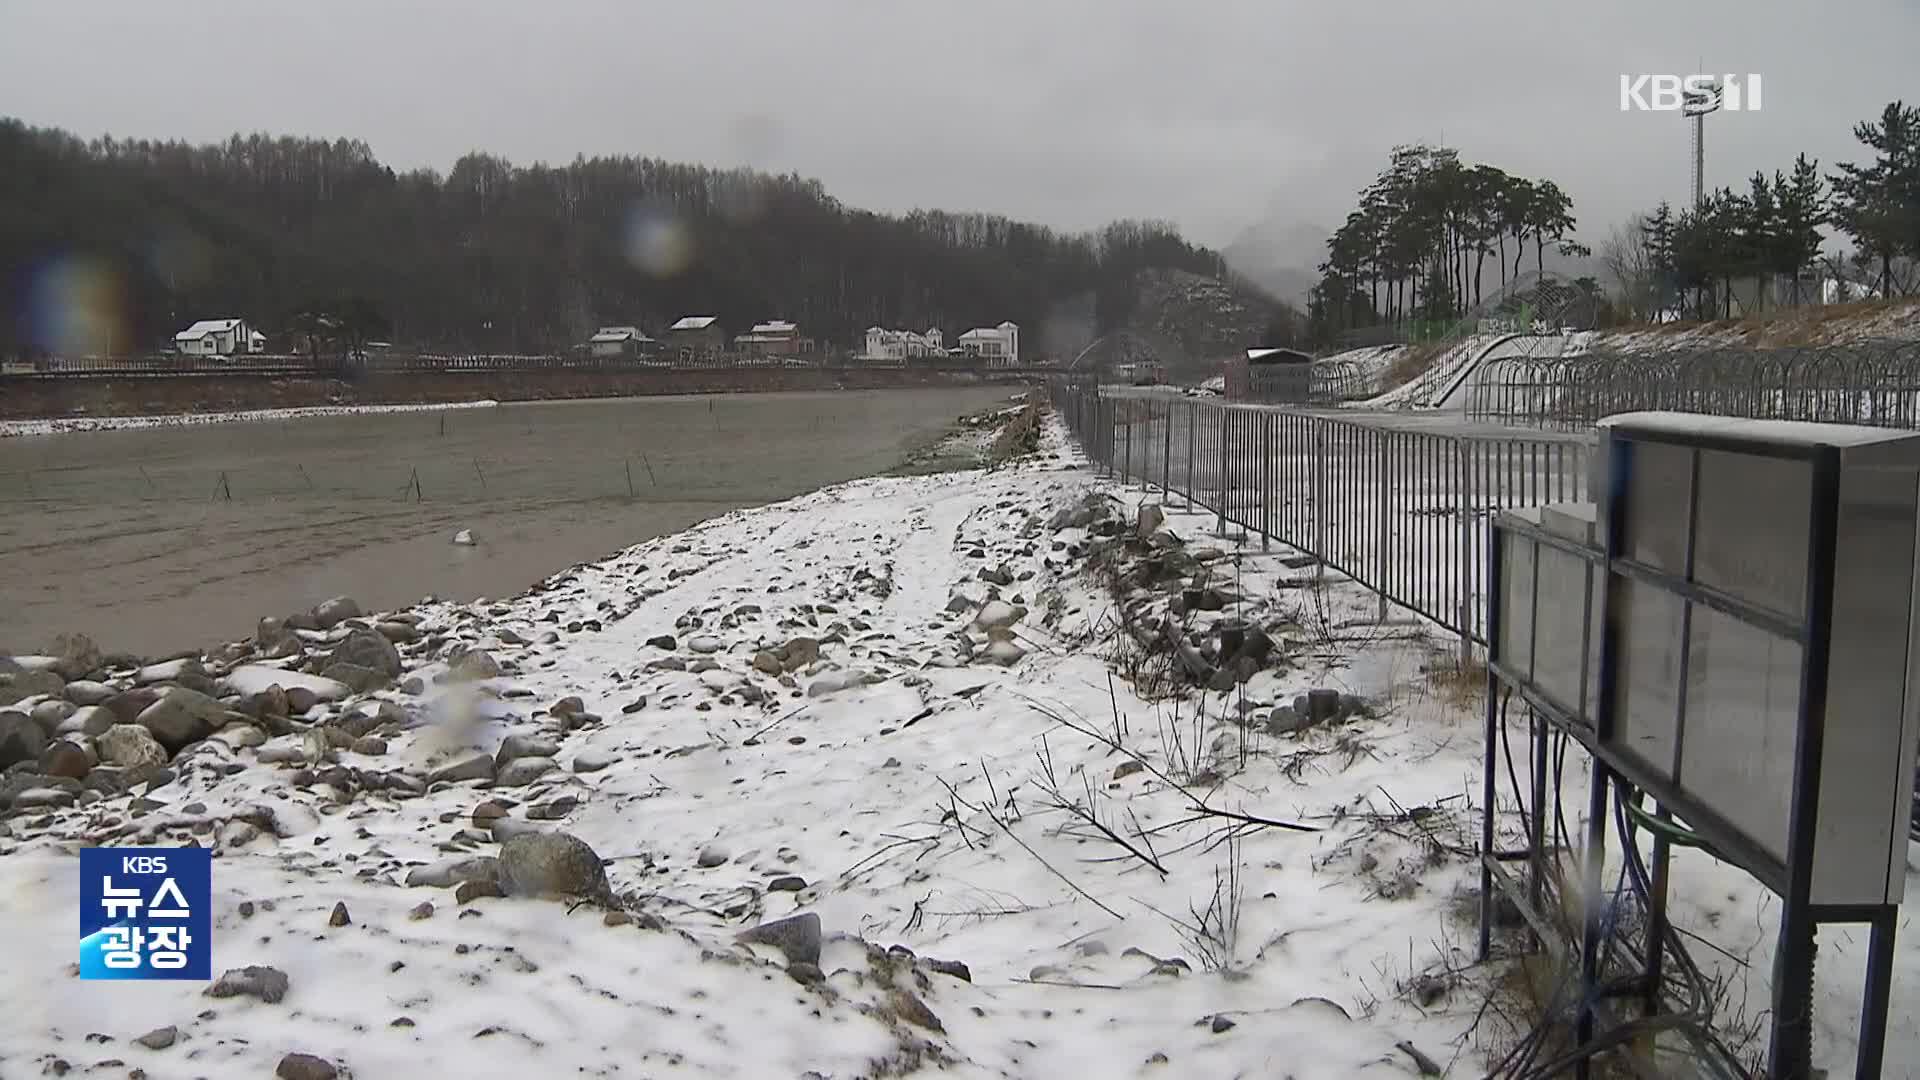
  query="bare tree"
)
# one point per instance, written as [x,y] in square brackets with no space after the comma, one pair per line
[1630,261]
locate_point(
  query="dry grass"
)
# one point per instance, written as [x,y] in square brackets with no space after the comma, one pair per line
[1413,361]
[1810,325]
[1454,684]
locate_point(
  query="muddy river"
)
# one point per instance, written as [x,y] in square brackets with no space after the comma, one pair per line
[158,539]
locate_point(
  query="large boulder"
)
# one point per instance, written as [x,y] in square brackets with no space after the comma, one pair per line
[127,705]
[51,713]
[182,717]
[523,771]
[84,692]
[20,738]
[89,720]
[269,702]
[27,789]
[519,745]
[335,611]
[471,665]
[367,649]
[69,758]
[131,746]
[552,866]
[180,669]
[355,677]
[25,684]
[799,652]
[797,937]
[998,614]
[1148,519]
[471,767]
[398,632]
[450,872]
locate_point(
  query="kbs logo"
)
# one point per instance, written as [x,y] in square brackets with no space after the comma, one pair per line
[1691,94]
[145,913]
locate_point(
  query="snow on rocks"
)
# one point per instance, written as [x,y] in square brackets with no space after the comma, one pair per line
[834,775]
[248,679]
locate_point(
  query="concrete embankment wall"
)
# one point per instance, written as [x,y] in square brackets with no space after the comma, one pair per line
[41,397]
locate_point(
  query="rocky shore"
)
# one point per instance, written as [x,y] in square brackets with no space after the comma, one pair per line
[946,770]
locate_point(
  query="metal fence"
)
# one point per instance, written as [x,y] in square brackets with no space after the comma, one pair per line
[1874,383]
[1336,380]
[1400,504]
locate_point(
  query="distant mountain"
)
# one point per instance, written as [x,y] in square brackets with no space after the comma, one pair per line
[497,257]
[1280,257]
[1184,321]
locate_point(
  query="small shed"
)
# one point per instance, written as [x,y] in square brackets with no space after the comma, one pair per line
[611,341]
[697,334]
[1272,376]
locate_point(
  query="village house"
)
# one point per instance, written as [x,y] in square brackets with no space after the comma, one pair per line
[219,337]
[999,345]
[883,344]
[697,334]
[614,341]
[772,338]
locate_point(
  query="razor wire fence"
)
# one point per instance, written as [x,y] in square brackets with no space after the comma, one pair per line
[1875,383]
[1400,505]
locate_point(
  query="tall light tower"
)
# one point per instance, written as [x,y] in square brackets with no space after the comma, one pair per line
[1697,105]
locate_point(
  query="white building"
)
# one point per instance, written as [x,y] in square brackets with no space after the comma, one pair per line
[618,341]
[219,337]
[883,344]
[999,345]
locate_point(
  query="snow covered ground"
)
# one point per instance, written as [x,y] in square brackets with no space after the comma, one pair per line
[1043,866]
[10,428]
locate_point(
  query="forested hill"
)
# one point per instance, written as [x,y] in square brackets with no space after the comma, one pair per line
[493,256]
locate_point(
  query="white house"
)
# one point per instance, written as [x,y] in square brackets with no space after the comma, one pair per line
[883,344]
[618,341]
[219,337]
[999,345]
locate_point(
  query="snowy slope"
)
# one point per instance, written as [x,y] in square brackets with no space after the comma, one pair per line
[920,804]
[1435,387]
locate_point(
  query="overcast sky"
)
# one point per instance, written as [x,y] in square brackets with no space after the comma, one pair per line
[1216,114]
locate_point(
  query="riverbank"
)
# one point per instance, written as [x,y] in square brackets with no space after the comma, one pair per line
[138,535]
[52,397]
[74,425]
[869,706]
[901,775]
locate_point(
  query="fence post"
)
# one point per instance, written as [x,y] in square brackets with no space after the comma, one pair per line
[1266,481]
[1385,484]
[1319,497]
[1464,565]
[1193,444]
[1166,456]
[1220,529]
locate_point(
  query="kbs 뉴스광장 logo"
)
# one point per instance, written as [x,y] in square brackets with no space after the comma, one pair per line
[145,913]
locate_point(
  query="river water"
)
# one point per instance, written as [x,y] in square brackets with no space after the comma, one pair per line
[159,539]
